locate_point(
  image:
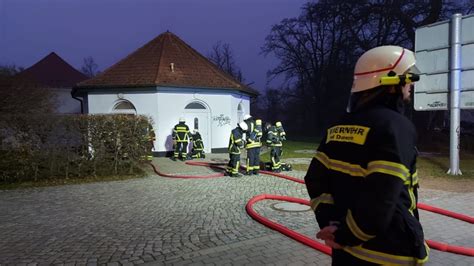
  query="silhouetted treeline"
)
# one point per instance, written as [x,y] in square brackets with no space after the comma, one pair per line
[318,51]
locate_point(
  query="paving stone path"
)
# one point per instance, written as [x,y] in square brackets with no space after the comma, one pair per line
[167,221]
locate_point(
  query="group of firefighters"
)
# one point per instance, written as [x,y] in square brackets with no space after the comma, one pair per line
[248,134]
[181,138]
[363,180]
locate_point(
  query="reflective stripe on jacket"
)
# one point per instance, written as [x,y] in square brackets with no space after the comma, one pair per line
[181,132]
[235,141]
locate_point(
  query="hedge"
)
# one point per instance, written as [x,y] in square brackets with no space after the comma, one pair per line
[35,147]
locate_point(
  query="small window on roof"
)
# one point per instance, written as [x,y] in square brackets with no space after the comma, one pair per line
[195,105]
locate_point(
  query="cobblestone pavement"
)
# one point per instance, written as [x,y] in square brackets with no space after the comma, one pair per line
[158,220]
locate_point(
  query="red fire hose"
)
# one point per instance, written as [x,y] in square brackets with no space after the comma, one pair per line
[468,251]
[458,216]
[280,228]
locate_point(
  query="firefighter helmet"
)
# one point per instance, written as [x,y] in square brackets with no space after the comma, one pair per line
[247,116]
[243,126]
[181,119]
[381,62]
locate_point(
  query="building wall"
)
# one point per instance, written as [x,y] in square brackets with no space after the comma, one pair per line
[222,107]
[65,104]
[167,105]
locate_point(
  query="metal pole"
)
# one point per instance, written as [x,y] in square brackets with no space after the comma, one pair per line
[455,89]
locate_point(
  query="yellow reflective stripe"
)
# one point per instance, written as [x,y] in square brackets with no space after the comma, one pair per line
[414,177]
[340,166]
[323,198]
[181,128]
[412,200]
[355,229]
[383,258]
[386,167]
[390,168]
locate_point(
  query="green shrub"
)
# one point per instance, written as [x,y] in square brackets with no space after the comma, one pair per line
[35,147]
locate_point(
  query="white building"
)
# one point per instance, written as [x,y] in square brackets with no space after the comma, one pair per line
[167,79]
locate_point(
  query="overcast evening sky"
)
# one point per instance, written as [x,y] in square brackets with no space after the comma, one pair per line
[108,30]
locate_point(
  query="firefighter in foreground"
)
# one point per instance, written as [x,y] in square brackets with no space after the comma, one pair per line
[180,140]
[363,181]
[236,143]
[253,145]
[198,145]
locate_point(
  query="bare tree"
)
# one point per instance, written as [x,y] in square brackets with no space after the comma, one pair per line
[89,67]
[318,49]
[9,70]
[223,57]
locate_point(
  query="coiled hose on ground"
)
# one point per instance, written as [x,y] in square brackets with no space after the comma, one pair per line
[467,251]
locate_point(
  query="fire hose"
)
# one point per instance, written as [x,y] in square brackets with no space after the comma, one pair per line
[467,251]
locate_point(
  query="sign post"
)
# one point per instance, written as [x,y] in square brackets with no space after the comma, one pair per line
[446,81]
[455,85]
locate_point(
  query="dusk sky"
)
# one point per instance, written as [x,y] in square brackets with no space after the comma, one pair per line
[109,30]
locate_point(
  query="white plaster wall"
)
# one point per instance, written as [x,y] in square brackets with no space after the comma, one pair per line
[65,104]
[222,106]
[145,103]
[167,105]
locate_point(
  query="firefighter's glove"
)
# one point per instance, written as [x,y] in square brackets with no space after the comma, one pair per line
[327,234]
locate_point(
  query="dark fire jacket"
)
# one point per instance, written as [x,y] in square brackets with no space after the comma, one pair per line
[363,178]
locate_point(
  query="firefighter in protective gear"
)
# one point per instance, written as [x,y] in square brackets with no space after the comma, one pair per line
[180,139]
[252,145]
[148,142]
[274,139]
[363,181]
[236,143]
[281,132]
[198,145]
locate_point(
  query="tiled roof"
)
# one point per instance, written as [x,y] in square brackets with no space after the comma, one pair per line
[52,71]
[165,61]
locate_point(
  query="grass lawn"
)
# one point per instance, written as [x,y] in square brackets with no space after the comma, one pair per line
[428,166]
[437,166]
[293,149]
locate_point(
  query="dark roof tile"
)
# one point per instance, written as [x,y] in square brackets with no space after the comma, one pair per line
[151,65]
[52,71]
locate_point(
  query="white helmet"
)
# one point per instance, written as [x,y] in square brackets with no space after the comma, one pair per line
[181,119]
[247,116]
[243,126]
[195,131]
[379,62]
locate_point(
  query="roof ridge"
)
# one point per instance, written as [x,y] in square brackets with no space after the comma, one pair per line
[214,67]
[160,57]
[119,61]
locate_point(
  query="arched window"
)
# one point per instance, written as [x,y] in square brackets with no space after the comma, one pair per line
[195,105]
[124,107]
